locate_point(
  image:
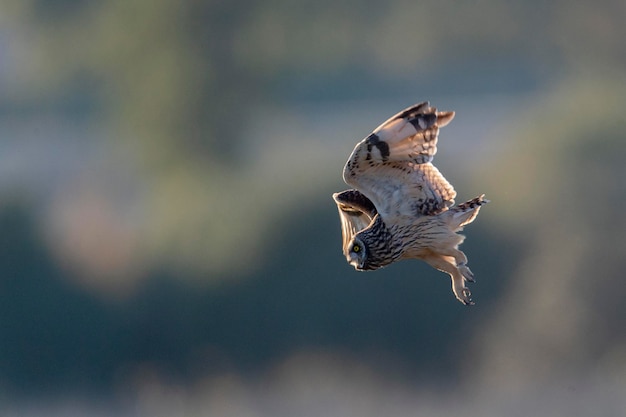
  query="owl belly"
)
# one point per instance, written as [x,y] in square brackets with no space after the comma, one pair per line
[422,237]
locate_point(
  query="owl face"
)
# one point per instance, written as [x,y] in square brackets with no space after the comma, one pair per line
[357,252]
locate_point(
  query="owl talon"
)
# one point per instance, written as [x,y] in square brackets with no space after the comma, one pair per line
[466,297]
[468,275]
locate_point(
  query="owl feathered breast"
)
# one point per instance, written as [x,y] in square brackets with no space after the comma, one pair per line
[401,205]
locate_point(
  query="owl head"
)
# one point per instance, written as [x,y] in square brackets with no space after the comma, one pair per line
[358,253]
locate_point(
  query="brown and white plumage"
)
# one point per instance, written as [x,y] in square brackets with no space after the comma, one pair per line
[402,207]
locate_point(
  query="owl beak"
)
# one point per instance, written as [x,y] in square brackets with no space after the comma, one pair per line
[356,263]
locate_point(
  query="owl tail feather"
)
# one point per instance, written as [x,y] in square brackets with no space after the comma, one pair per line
[464,214]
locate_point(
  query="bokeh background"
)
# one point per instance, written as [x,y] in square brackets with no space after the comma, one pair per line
[169,246]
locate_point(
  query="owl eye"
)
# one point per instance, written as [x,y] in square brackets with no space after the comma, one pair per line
[356,248]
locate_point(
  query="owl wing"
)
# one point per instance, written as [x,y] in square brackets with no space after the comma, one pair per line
[356,212]
[392,166]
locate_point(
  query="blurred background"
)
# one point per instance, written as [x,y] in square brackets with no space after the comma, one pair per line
[169,246]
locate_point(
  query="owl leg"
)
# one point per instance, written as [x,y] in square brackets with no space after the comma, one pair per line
[447,264]
[461,263]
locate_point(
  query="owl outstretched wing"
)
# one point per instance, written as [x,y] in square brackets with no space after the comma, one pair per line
[356,213]
[392,166]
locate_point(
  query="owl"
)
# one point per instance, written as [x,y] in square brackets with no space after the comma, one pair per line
[401,206]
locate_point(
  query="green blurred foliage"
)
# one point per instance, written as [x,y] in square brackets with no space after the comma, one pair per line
[566,193]
[176,84]
[169,212]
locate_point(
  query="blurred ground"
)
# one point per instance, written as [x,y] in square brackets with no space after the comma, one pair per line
[170,247]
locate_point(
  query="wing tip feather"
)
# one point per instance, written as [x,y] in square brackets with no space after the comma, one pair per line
[444,117]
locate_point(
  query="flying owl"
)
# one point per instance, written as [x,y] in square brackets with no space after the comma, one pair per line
[402,207]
